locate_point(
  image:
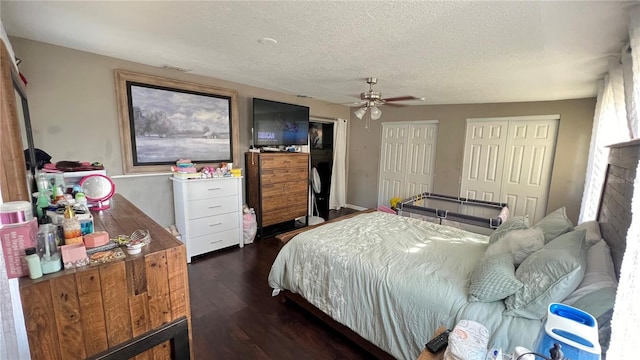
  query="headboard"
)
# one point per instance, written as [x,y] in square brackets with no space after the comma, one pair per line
[614,212]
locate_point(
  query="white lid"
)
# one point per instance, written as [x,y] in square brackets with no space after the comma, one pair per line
[15,212]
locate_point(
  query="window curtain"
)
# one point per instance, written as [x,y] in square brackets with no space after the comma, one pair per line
[338,189]
[609,127]
[626,315]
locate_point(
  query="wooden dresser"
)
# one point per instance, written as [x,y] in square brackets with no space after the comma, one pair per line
[208,213]
[130,304]
[277,186]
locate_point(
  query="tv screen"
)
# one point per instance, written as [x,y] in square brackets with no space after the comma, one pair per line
[276,123]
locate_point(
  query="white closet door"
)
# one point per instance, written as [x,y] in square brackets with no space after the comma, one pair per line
[420,158]
[393,154]
[483,159]
[528,165]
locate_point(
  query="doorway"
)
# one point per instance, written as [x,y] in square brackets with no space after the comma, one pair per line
[321,149]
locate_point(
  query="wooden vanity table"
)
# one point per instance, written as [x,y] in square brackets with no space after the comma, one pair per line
[117,309]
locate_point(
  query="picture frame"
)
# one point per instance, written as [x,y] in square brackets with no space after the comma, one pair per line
[163,120]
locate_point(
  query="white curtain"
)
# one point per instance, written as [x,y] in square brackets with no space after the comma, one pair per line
[626,315]
[609,127]
[634,40]
[338,190]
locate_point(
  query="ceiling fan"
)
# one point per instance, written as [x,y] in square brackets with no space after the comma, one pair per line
[370,100]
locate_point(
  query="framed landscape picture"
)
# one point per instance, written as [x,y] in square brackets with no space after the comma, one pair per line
[163,120]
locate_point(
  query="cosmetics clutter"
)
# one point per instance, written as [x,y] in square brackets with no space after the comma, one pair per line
[65,237]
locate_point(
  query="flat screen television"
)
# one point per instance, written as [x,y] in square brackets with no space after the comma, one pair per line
[276,123]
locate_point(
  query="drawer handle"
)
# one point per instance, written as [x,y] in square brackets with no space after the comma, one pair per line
[216,224]
[215,206]
[215,188]
[213,242]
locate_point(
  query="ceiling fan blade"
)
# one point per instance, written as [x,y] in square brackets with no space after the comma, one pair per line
[402,98]
[394,105]
[354,103]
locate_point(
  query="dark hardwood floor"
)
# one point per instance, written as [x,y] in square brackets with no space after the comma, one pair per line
[234,315]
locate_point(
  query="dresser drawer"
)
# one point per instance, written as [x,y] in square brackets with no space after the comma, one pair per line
[211,189]
[284,189]
[274,176]
[284,161]
[204,244]
[214,206]
[282,214]
[213,224]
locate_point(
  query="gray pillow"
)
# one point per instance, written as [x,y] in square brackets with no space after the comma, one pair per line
[593,231]
[597,302]
[514,223]
[519,243]
[493,279]
[554,224]
[549,275]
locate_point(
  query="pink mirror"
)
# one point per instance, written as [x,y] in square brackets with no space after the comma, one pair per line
[98,189]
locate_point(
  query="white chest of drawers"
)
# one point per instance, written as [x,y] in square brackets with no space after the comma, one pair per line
[208,213]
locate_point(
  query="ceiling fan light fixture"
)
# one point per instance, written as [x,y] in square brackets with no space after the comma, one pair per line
[375,113]
[360,113]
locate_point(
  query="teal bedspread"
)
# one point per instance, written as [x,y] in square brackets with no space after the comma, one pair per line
[394,281]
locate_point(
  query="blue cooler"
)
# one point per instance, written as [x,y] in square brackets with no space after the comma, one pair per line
[574,330]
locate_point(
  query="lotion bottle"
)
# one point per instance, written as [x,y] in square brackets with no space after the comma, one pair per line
[33,263]
[71,227]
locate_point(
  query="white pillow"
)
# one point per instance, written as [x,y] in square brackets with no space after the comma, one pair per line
[599,259]
[520,243]
[600,275]
[593,232]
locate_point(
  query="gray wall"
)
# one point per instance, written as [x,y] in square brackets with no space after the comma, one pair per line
[74,114]
[567,182]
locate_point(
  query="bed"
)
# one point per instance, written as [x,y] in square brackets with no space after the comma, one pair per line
[391,281]
[408,283]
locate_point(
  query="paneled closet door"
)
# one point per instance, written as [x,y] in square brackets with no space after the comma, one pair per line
[393,152]
[420,158]
[528,166]
[510,160]
[483,162]
[407,158]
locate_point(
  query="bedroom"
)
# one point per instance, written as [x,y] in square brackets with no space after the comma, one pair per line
[83,85]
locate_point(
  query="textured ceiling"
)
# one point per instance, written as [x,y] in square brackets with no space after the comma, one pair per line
[446,52]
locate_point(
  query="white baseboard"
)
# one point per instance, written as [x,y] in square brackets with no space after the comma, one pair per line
[355,207]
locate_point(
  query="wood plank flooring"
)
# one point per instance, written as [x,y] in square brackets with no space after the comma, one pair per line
[234,315]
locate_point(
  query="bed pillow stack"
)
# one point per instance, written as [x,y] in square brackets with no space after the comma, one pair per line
[548,263]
